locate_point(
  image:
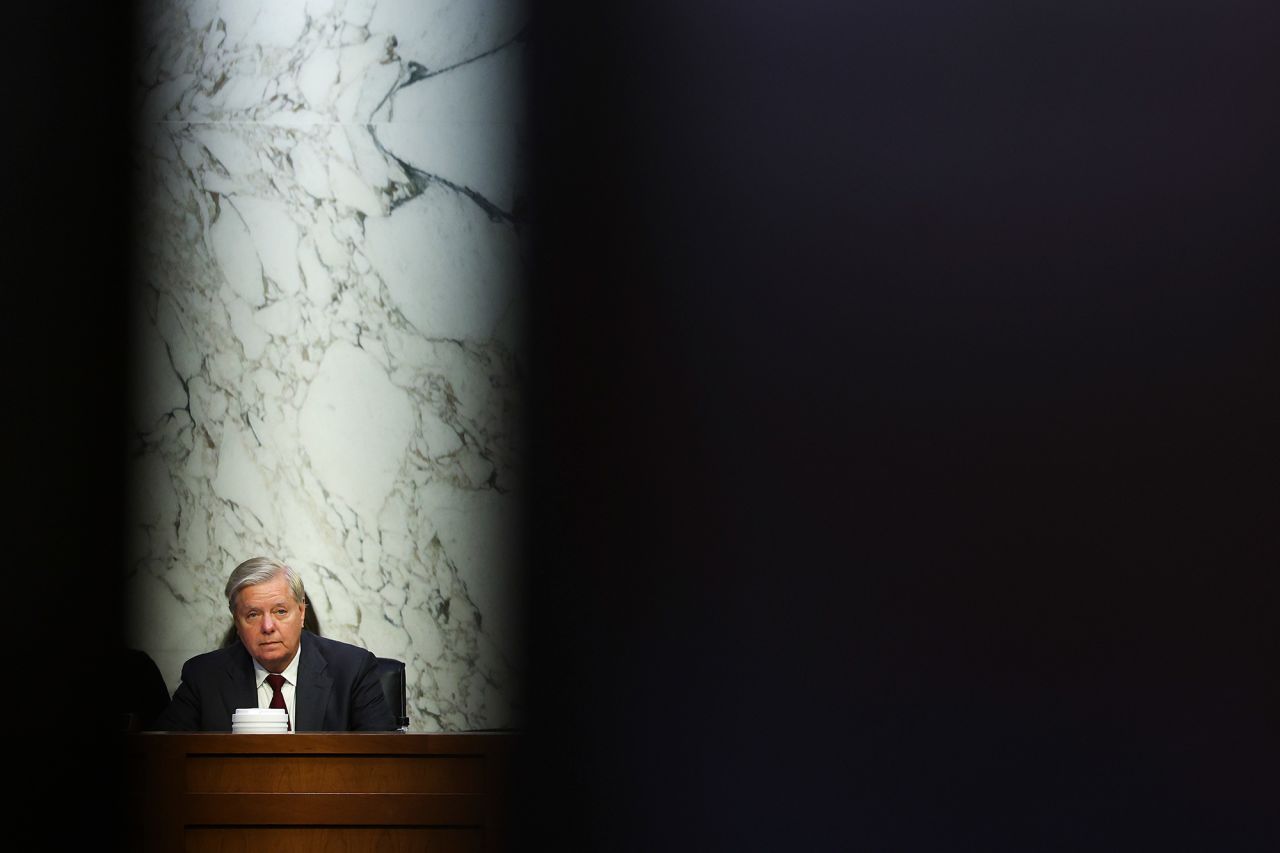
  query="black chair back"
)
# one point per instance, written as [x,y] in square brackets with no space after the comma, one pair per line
[391,674]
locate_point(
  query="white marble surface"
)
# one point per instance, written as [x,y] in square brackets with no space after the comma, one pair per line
[327,330]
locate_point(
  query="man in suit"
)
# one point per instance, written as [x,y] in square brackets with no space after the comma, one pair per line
[324,685]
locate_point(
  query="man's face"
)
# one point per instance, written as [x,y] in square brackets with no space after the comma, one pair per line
[269,622]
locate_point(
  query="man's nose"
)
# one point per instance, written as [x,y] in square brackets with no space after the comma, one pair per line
[268,624]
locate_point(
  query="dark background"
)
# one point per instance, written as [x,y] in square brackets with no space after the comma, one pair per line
[903,424]
[905,456]
[66,227]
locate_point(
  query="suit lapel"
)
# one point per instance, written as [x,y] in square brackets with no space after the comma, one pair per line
[241,692]
[311,696]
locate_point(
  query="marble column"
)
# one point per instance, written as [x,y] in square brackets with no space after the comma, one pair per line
[328,331]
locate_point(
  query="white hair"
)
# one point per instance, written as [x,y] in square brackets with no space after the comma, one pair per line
[258,570]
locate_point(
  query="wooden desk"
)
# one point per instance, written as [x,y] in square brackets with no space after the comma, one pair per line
[319,792]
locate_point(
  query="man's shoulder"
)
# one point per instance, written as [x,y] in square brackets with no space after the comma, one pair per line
[336,651]
[218,659]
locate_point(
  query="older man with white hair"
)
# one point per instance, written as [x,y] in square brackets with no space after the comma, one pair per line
[324,685]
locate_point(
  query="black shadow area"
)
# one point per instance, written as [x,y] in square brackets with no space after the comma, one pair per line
[66,225]
[904,427]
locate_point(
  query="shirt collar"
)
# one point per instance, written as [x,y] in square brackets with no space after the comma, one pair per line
[290,672]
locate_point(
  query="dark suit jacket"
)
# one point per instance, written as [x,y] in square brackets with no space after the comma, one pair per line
[338,690]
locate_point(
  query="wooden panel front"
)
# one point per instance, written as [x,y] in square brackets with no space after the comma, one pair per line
[238,839]
[335,774]
[319,791]
[335,809]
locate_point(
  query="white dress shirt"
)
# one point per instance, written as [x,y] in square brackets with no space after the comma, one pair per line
[288,689]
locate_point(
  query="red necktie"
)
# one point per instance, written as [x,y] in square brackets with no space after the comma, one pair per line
[277,698]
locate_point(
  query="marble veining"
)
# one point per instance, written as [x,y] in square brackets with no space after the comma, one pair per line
[328,330]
